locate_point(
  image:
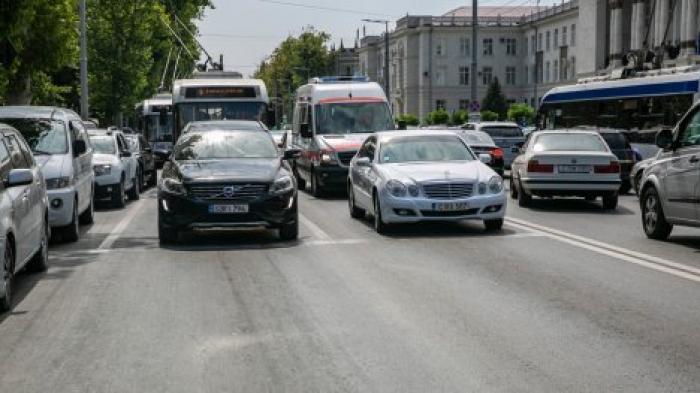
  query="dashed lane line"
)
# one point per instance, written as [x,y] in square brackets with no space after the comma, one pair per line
[315,230]
[134,210]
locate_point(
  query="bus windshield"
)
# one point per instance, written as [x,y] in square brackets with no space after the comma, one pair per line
[155,131]
[353,118]
[205,111]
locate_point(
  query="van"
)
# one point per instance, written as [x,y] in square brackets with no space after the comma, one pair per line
[332,118]
[60,145]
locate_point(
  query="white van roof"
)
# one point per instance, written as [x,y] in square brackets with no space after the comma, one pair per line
[316,93]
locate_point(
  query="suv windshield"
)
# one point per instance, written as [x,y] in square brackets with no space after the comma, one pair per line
[615,140]
[44,136]
[424,148]
[353,118]
[503,132]
[568,142]
[103,144]
[215,145]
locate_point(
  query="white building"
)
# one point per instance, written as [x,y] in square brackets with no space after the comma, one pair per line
[529,50]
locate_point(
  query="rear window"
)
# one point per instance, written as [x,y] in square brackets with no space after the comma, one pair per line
[477,138]
[616,141]
[569,142]
[503,132]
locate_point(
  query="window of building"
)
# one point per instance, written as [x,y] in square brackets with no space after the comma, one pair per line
[527,74]
[510,76]
[563,35]
[511,46]
[564,71]
[464,46]
[556,38]
[463,105]
[546,71]
[555,74]
[440,77]
[548,42]
[573,35]
[487,75]
[573,67]
[525,46]
[463,76]
[440,47]
[539,42]
[488,46]
[441,104]
[533,44]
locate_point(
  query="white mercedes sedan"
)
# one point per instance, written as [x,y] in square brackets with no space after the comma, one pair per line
[565,163]
[427,175]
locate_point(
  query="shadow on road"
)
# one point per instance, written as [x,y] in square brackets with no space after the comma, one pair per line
[219,240]
[466,228]
[576,206]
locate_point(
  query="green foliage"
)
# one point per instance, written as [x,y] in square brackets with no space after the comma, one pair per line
[495,101]
[438,117]
[489,116]
[521,113]
[409,119]
[460,117]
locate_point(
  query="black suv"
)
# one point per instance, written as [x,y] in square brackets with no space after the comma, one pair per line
[227,179]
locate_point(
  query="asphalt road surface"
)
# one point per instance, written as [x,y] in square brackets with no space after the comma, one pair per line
[567,298]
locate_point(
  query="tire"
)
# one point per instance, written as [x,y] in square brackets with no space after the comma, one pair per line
[166,235]
[625,187]
[524,199]
[88,216]
[8,276]
[493,225]
[153,180]
[135,191]
[610,201]
[653,217]
[379,224]
[355,212]
[316,189]
[301,183]
[71,233]
[40,260]
[118,196]
[513,189]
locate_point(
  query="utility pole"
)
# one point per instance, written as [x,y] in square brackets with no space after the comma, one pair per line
[475,39]
[84,103]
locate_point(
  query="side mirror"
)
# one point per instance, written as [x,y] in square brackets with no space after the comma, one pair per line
[19,177]
[292,154]
[125,154]
[305,131]
[664,139]
[79,148]
[363,162]
[485,158]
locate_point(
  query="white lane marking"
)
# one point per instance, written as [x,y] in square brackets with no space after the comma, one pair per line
[316,231]
[108,242]
[340,242]
[637,258]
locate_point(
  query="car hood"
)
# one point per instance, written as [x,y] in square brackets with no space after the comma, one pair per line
[350,142]
[470,171]
[244,169]
[52,166]
[102,159]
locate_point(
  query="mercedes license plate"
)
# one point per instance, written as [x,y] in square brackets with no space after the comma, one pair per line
[574,168]
[450,207]
[228,209]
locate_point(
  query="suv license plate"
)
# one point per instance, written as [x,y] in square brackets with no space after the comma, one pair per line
[574,169]
[450,207]
[228,209]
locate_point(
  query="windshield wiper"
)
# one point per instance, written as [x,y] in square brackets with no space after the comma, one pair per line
[41,153]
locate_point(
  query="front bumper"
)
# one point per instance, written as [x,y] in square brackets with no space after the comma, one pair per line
[61,206]
[183,213]
[413,210]
[332,177]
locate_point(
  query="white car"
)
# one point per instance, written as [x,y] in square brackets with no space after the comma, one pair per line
[413,176]
[115,168]
[565,163]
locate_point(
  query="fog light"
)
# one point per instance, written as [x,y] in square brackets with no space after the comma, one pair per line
[492,209]
[404,212]
[56,203]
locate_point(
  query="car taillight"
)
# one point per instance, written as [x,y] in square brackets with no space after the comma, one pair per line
[497,153]
[535,166]
[613,167]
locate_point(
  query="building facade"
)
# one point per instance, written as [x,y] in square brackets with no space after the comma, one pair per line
[530,50]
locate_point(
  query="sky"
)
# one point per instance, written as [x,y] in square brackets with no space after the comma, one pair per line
[247,31]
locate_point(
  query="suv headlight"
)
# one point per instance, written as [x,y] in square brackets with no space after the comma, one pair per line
[496,184]
[328,157]
[58,182]
[396,188]
[172,186]
[101,170]
[282,185]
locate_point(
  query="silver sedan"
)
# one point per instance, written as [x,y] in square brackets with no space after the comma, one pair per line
[414,176]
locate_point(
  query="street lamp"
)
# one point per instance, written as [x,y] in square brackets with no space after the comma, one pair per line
[387,86]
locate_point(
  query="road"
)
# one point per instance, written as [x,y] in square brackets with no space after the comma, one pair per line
[567,299]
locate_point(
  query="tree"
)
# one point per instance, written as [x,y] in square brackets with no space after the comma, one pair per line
[460,117]
[409,119]
[521,113]
[489,116]
[438,117]
[495,101]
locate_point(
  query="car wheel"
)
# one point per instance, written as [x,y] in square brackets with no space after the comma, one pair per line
[71,233]
[653,218]
[379,224]
[493,225]
[316,189]
[118,197]
[7,277]
[355,212]
[88,216]
[135,190]
[40,260]
[513,189]
[524,199]
[610,201]
[166,235]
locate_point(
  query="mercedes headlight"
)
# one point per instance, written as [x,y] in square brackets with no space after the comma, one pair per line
[496,184]
[282,185]
[101,170]
[396,188]
[173,186]
[58,182]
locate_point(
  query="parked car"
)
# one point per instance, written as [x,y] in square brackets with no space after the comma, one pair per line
[218,125]
[60,145]
[115,168]
[227,179]
[481,143]
[566,163]
[142,151]
[24,212]
[413,176]
[670,186]
[506,135]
